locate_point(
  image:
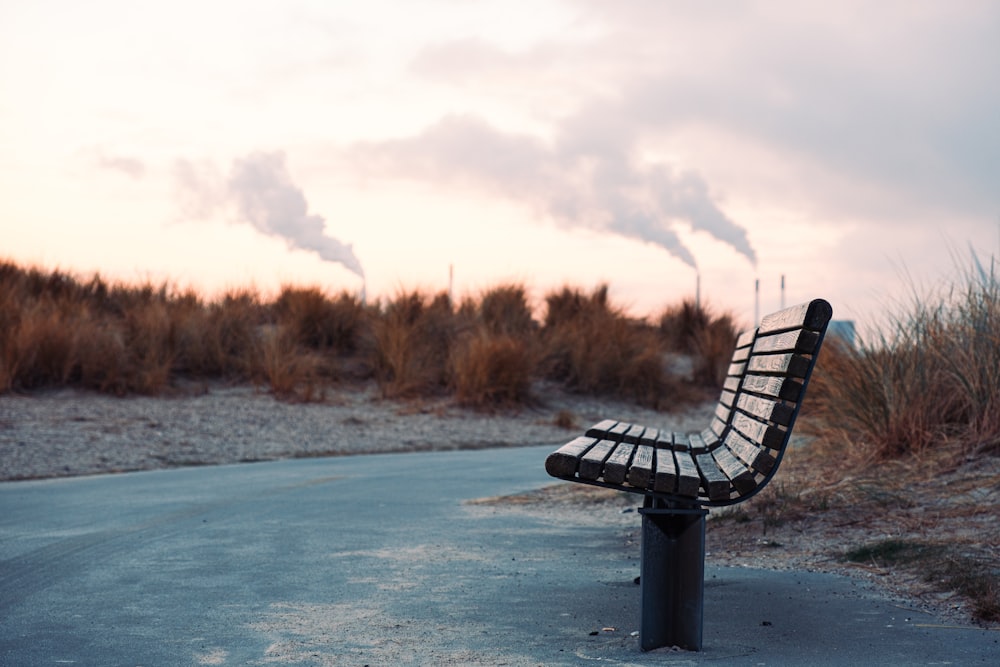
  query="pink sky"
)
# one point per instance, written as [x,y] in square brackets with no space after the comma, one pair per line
[852,147]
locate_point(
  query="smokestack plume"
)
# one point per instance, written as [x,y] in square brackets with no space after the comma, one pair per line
[260,192]
[265,196]
[589,176]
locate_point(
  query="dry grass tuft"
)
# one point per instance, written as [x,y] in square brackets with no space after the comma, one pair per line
[494,359]
[931,381]
[492,370]
[693,329]
[318,322]
[593,347]
[413,337]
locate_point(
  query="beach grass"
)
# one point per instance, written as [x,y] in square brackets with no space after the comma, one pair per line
[927,386]
[488,350]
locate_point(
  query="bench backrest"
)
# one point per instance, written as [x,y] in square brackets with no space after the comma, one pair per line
[736,455]
[767,380]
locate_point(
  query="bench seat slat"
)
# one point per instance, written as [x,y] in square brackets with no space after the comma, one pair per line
[779,364]
[727,398]
[811,315]
[640,472]
[592,462]
[697,443]
[600,429]
[746,338]
[717,485]
[688,480]
[787,389]
[618,431]
[717,427]
[758,458]
[759,433]
[665,478]
[633,434]
[766,409]
[797,340]
[711,438]
[564,461]
[649,437]
[741,353]
[616,467]
[739,474]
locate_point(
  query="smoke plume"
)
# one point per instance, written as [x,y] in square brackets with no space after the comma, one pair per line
[587,178]
[261,191]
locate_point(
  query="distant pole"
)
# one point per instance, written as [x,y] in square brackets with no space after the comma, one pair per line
[756,302]
[782,291]
[697,291]
[451,283]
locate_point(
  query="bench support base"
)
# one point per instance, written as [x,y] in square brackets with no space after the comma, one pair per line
[672,576]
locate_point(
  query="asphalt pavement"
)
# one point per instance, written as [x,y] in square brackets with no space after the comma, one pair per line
[379,560]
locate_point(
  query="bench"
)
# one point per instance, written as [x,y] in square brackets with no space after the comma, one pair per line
[683,474]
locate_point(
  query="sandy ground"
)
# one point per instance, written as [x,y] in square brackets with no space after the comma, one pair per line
[69,432]
[801,521]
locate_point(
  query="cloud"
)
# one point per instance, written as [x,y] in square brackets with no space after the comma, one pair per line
[583,179]
[890,117]
[122,164]
[261,193]
[199,189]
[127,165]
[895,105]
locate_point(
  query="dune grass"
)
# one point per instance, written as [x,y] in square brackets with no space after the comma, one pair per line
[928,383]
[487,351]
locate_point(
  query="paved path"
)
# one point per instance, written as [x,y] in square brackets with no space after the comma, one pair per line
[376,560]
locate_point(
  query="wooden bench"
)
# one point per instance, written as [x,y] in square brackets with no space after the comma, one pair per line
[682,474]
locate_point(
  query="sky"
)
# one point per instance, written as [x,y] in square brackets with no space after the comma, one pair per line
[663,148]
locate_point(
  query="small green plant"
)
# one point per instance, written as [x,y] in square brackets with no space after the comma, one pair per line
[891,552]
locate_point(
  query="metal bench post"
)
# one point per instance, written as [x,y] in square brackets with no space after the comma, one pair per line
[672,576]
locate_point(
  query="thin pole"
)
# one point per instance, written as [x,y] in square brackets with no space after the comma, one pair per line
[756,302]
